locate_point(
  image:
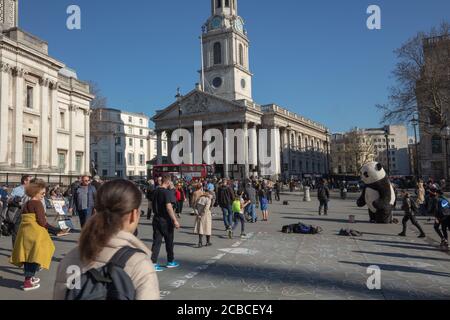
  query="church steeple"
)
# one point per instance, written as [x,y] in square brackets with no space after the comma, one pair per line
[9,14]
[225,53]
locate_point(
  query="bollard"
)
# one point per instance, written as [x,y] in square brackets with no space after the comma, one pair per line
[307,195]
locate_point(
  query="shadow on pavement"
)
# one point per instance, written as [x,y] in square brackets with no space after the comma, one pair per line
[388,267]
[10,284]
[401,255]
[12,270]
[396,242]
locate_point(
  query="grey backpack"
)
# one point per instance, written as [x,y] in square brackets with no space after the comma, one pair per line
[110,282]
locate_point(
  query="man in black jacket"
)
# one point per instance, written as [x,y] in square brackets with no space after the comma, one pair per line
[323,194]
[225,198]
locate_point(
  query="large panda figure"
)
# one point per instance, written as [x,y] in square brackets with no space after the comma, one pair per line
[378,193]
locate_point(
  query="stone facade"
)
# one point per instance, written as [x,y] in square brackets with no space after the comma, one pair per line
[372,147]
[121,143]
[433,148]
[44,108]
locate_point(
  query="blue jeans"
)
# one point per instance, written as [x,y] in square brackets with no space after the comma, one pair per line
[251,211]
[30,269]
[84,216]
[227,216]
[239,217]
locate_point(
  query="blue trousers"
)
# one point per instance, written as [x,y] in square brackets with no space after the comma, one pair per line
[84,216]
[228,216]
[251,211]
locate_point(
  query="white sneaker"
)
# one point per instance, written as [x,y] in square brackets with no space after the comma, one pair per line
[35,281]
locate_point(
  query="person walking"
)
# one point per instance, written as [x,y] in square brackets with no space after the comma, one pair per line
[83,200]
[264,202]
[225,199]
[323,194]
[181,198]
[203,220]
[442,215]
[110,230]
[277,191]
[164,224]
[250,196]
[33,248]
[410,209]
[421,197]
[238,215]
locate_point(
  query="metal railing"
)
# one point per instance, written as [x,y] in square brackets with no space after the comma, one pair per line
[11,180]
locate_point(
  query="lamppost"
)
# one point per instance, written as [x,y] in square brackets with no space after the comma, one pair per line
[446,134]
[386,135]
[178,96]
[328,154]
[415,123]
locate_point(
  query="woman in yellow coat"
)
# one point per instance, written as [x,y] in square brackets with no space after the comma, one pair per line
[33,248]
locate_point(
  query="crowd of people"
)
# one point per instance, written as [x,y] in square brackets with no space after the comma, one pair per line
[109,215]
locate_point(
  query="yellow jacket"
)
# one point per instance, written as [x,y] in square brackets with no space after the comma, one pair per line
[33,244]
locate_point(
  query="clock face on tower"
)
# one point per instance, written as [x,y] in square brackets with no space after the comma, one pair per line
[239,25]
[216,23]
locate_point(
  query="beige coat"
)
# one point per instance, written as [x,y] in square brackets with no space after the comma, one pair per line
[195,196]
[203,223]
[139,267]
[421,194]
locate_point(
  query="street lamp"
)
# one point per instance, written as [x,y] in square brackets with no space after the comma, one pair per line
[386,135]
[415,123]
[446,134]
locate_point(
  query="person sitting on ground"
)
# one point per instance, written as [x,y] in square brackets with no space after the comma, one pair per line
[410,208]
[111,229]
[33,247]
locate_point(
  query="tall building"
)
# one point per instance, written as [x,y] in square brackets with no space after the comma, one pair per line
[349,151]
[119,143]
[223,101]
[44,108]
[434,86]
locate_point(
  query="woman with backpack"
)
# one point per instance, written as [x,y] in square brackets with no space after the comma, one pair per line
[410,209]
[203,221]
[106,235]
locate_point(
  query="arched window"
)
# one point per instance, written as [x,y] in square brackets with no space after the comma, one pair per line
[436,145]
[306,143]
[217,53]
[227,3]
[219,3]
[241,54]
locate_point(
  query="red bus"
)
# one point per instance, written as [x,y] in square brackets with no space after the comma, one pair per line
[188,171]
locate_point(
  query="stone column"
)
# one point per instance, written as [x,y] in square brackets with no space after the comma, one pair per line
[17,142]
[54,127]
[44,161]
[87,139]
[246,151]
[159,147]
[226,154]
[71,153]
[253,146]
[277,148]
[4,111]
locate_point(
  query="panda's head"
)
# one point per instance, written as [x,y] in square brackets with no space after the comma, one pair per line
[372,172]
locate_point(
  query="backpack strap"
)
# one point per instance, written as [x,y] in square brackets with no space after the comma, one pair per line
[122,256]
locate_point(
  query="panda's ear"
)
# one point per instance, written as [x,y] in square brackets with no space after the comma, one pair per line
[379,167]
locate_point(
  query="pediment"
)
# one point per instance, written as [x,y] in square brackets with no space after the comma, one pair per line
[198,103]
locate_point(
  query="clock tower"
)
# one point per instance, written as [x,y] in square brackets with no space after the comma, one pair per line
[225,53]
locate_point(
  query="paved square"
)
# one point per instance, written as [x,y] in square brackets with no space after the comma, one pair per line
[270,265]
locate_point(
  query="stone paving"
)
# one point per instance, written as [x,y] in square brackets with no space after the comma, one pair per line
[270,265]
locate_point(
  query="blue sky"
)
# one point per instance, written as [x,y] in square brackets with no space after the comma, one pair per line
[316,58]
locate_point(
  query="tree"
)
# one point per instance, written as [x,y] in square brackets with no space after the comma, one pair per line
[418,76]
[359,149]
[99,101]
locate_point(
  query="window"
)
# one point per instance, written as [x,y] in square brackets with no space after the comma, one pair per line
[130,142]
[142,143]
[118,141]
[219,3]
[29,97]
[164,145]
[105,173]
[28,154]
[118,117]
[141,159]
[131,159]
[436,145]
[119,173]
[62,120]
[130,130]
[62,161]
[141,122]
[119,129]
[241,54]
[78,162]
[227,3]
[130,173]
[141,132]
[119,158]
[130,119]
[217,53]
[142,174]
